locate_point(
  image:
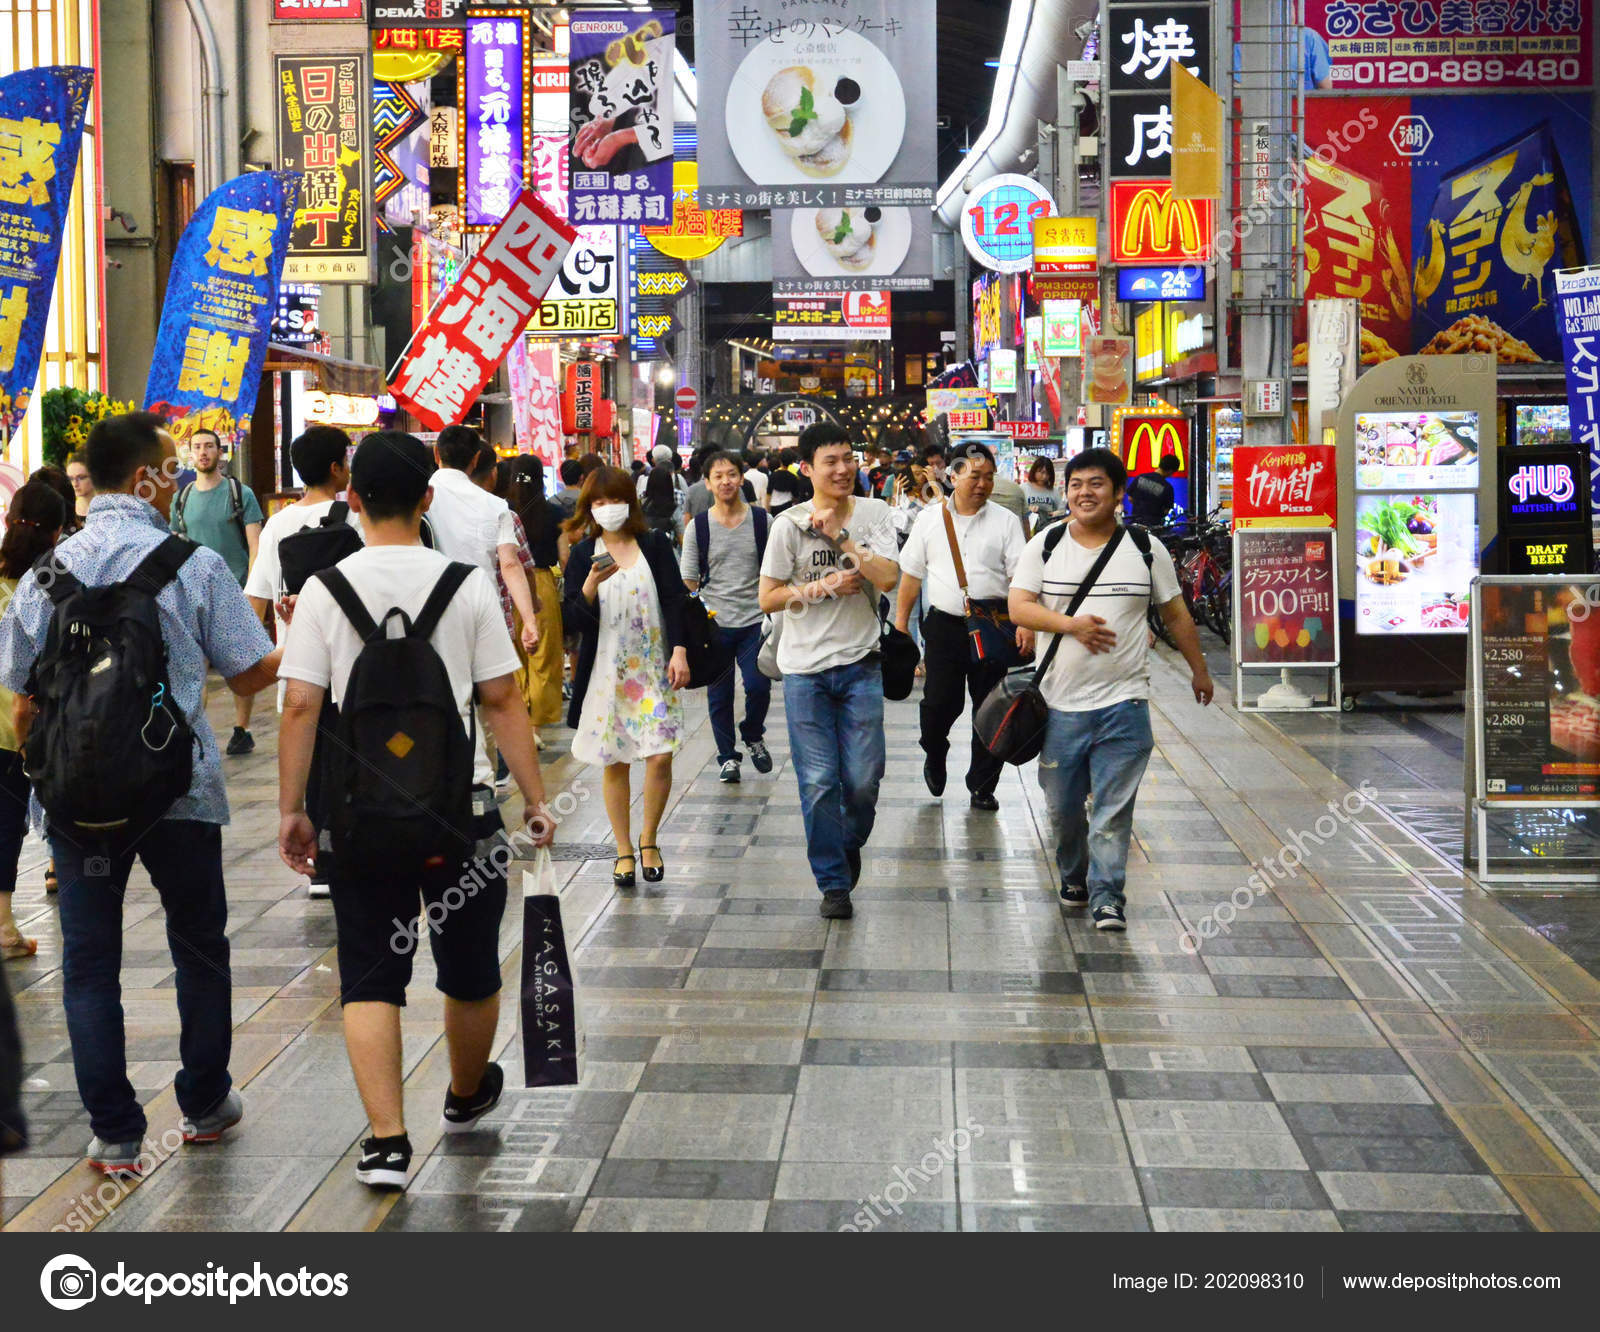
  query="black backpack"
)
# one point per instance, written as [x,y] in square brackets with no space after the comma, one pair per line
[110,750]
[710,657]
[398,775]
[313,549]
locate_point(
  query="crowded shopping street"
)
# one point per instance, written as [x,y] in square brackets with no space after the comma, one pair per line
[772,617]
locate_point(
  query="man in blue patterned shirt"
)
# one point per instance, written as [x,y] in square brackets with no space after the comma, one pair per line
[204,617]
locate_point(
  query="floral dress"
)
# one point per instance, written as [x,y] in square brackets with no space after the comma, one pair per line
[629,710]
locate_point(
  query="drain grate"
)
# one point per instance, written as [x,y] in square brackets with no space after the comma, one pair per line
[582,851]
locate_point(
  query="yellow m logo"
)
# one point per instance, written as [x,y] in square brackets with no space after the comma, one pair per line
[1161,438]
[1157,214]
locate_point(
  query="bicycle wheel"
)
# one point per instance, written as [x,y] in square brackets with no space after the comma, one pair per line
[1213,602]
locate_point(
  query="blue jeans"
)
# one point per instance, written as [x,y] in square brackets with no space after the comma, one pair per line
[746,645]
[836,745]
[184,860]
[1105,751]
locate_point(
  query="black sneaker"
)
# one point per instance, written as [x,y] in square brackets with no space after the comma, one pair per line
[985,800]
[836,905]
[384,1162]
[853,859]
[462,1113]
[1110,918]
[933,773]
[761,756]
[1075,894]
[240,742]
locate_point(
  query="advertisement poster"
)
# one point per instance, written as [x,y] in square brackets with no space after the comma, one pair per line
[655,283]
[964,408]
[1416,557]
[585,298]
[1143,44]
[1294,486]
[1107,372]
[988,314]
[852,249]
[43,112]
[462,341]
[221,299]
[1578,312]
[325,134]
[1540,646]
[1428,450]
[817,103]
[1149,226]
[832,317]
[1493,45]
[621,83]
[1286,608]
[493,101]
[1448,228]
[694,232]
[1061,328]
[1003,370]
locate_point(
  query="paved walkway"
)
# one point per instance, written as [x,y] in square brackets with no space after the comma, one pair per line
[1372,1044]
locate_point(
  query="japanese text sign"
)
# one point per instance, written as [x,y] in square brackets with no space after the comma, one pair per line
[1284,486]
[1143,45]
[1287,614]
[325,134]
[42,113]
[622,115]
[452,355]
[832,317]
[1066,244]
[319,9]
[417,13]
[586,295]
[998,221]
[1578,313]
[221,300]
[495,113]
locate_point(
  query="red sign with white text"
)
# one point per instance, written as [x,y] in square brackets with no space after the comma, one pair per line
[451,357]
[583,410]
[1024,429]
[1293,486]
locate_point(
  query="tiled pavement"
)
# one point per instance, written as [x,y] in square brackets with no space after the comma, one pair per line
[1373,1044]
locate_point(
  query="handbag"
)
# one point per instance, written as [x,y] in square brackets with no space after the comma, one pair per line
[553,1036]
[767,650]
[1011,720]
[992,636]
[710,657]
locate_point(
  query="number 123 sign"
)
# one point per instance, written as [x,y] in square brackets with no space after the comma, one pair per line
[997,222]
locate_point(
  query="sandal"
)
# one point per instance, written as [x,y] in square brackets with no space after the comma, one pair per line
[51,885]
[653,874]
[14,946]
[620,879]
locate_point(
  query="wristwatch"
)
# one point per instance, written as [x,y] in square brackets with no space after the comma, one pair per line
[844,535]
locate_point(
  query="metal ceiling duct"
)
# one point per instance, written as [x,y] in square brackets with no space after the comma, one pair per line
[1039,36]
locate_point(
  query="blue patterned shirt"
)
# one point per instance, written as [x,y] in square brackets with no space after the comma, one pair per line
[204,617]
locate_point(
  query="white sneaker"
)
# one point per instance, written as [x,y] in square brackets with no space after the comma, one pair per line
[730,772]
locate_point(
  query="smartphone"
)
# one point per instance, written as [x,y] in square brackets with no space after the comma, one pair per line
[602,562]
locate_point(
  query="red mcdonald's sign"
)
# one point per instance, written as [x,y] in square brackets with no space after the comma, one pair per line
[1142,441]
[1149,226]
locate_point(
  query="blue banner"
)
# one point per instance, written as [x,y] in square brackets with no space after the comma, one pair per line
[221,299]
[41,128]
[1578,313]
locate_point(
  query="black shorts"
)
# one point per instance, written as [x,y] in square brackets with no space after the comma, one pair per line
[380,927]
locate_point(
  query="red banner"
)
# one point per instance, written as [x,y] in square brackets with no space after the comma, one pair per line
[1293,486]
[452,355]
[1286,609]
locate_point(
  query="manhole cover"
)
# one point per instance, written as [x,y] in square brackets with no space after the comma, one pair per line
[582,851]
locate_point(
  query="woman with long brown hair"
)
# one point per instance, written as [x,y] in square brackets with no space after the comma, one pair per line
[522,487]
[34,521]
[625,598]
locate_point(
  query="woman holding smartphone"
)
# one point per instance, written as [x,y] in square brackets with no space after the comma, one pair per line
[625,599]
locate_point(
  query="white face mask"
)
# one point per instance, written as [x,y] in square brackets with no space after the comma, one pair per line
[610,516]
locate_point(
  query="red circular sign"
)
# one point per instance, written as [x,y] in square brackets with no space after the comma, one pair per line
[687,400]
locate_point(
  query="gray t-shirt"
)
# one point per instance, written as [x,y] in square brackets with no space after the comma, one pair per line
[835,631]
[699,500]
[732,586]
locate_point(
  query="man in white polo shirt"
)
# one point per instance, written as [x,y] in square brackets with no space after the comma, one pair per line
[990,541]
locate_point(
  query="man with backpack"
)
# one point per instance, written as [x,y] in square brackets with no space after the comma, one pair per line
[222,513]
[314,533]
[1084,585]
[108,638]
[402,638]
[721,561]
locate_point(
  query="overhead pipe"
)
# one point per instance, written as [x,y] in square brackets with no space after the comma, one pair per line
[212,91]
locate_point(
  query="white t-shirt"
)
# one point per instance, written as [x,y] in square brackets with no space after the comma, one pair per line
[758,482]
[1078,680]
[471,638]
[468,522]
[991,542]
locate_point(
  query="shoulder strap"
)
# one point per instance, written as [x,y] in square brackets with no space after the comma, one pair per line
[1054,539]
[179,505]
[345,597]
[1141,538]
[236,496]
[763,521]
[439,599]
[1089,579]
[702,541]
[955,547]
[161,565]
[426,534]
[55,580]
[339,513]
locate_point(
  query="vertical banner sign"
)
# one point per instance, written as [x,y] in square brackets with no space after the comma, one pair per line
[541,409]
[41,128]
[221,300]
[1196,138]
[325,134]
[1286,610]
[1143,44]
[622,116]
[495,109]
[465,336]
[1333,357]
[583,389]
[817,103]
[1578,312]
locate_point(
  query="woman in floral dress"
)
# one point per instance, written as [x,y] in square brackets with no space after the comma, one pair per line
[631,662]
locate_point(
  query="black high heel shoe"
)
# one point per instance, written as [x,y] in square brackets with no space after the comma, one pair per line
[653,875]
[620,879]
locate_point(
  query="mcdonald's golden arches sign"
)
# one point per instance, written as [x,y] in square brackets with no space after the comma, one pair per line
[1142,441]
[1149,226]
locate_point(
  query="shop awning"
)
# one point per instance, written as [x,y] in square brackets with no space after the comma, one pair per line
[333,375]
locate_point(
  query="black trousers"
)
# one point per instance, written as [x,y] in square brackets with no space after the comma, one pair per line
[947,654]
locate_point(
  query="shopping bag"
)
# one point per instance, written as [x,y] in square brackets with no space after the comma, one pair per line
[552,1027]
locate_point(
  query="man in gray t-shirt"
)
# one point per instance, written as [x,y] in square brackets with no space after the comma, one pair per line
[722,550]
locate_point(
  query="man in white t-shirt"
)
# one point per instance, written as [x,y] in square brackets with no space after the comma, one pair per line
[373,908]
[1098,682]
[756,476]
[991,541]
[827,561]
